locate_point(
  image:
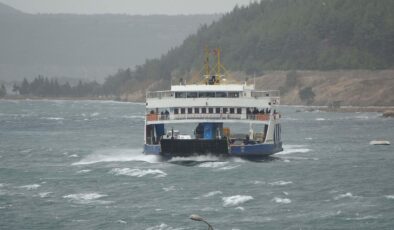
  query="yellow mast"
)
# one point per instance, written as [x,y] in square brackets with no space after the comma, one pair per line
[219,65]
[206,64]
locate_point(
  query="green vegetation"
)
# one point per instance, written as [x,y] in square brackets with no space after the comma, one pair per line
[3,91]
[285,35]
[307,95]
[44,87]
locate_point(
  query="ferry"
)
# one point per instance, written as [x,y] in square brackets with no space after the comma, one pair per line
[212,117]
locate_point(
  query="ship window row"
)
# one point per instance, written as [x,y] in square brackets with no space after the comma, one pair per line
[206,94]
[209,110]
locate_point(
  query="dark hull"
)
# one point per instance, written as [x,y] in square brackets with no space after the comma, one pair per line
[185,148]
[193,147]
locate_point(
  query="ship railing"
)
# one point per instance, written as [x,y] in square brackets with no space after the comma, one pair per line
[253,117]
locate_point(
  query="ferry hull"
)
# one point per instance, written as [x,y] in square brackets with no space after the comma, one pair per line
[186,149]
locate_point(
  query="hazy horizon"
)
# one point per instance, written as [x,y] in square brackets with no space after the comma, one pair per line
[131,7]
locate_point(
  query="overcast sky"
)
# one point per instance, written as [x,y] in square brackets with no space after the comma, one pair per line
[125,6]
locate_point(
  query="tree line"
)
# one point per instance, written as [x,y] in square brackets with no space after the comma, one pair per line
[282,35]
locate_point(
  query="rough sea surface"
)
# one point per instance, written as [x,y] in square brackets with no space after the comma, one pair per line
[79,165]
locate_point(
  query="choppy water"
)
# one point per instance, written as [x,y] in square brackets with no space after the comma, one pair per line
[78,165]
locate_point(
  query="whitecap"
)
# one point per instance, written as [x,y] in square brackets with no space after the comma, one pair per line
[258,182]
[30,186]
[117,155]
[240,208]
[212,164]
[53,118]
[320,119]
[84,171]
[214,193]
[171,188]
[346,195]
[390,197]
[87,198]
[235,200]
[44,194]
[138,172]
[281,200]
[26,151]
[364,218]
[94,114]
[121,222]
[162,226]
[229,167]
[289,149]
[73,156]
[281,183]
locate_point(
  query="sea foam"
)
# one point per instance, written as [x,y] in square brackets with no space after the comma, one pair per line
[117,155]
[138,172]
[281,183]
[30,186]
[87,198]
[235,200]
[281,200]
[289,149]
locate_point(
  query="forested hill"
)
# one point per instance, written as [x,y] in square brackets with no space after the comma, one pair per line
[86,46]
[285,35]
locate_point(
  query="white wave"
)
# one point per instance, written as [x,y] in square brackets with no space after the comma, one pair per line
[320,119]
[281,183]
[289,149]
[26,151]
[87,198]
[73,156]
[84,171]
[44,194]
[281,200]
[346,195]
[214,193]
[229,167]
[235,200]
[258,182]
[117,155]
[171,188]
[212,164]
[138,172]
[308,138]
[390,197]
[121,222]
[163,226]
[30,186]
[364,218]
[53,118]
[240,208]
[94,114]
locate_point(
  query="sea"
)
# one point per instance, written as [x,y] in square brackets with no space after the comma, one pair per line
[79,165]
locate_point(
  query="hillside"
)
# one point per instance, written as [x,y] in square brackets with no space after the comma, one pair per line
[85,46]
[281,35]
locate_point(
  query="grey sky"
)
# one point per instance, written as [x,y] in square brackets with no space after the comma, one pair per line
[125,6]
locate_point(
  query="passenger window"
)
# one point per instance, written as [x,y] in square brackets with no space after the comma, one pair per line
[239,110]
[189,110]
[225,110]
[196,110]
[217,110]
[203,110]
[210,110]
[176,111]
[232,110]
[182,110]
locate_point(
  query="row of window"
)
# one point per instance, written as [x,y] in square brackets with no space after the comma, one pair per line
[206,94]
[207,110]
